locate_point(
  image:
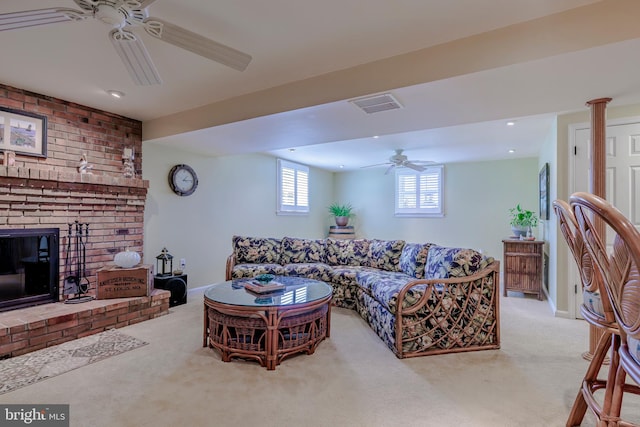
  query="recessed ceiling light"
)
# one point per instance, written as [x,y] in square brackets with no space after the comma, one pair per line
[511,151]
[511,123]
[376,136]
[115,93]
[341,166]
[292,149]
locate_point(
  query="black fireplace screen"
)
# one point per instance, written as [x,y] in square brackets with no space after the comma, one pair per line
[29,267]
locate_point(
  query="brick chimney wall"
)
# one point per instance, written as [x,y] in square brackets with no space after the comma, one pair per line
[50,192]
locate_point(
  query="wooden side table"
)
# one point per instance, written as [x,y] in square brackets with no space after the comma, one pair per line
[342,232]
[523,266]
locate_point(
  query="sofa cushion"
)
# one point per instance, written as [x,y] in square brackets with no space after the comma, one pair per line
[384,286]
[313,270]
[593,302]
[385,254]
[252,270]
[256,250]
[414,258]
[302,251]
[346,275]
[454,262]
[347,252]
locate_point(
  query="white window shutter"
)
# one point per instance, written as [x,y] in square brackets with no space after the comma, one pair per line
[420,193]
[293,188]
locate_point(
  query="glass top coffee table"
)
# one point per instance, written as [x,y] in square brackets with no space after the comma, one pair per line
[266,327]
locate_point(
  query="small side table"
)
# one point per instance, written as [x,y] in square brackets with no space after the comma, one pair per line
[342,232]
[523,261]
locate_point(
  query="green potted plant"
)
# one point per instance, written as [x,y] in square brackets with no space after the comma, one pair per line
[522,220]
[342,213]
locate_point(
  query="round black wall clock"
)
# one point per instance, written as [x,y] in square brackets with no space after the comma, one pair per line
[183,180]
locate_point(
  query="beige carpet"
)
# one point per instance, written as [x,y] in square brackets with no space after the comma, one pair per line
[351,380]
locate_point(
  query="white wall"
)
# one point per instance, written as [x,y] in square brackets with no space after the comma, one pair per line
[235,195]
[548,229]
[477,201]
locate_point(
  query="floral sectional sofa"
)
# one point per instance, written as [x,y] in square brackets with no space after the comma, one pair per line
[420,298]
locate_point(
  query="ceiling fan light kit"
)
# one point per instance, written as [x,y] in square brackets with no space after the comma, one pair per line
[121,16]
[400,160]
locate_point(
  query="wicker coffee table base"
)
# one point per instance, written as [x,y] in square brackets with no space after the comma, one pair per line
[265,334]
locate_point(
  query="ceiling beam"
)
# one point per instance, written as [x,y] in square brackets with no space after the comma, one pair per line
[594,25]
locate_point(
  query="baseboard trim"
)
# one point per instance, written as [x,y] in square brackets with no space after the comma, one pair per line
[198,289]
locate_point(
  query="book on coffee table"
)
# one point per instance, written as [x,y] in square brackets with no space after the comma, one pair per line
[263,288]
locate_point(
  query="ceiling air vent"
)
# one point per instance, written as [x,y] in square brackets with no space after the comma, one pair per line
[377,103]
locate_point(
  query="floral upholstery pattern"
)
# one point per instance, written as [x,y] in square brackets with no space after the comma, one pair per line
[256,250]
[385,254]
[252,270]
[368,275]
[414,258]
[343,281]
[347,252]
[302,251]
[384,287]
[315,271]
[454,262]
[346,275]
[593,302]
[380,320]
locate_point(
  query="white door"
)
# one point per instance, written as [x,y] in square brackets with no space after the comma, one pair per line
[622,175]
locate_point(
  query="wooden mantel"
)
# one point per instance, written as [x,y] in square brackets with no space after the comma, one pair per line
[45,178]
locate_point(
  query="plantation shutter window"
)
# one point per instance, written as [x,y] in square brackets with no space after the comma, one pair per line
[293,188]
[419,193]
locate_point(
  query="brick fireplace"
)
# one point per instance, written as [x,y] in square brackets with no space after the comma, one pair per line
[50,192]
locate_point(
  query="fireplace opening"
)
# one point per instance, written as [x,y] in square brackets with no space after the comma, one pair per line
[29,267]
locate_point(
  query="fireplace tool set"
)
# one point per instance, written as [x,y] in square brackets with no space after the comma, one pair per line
[75,278]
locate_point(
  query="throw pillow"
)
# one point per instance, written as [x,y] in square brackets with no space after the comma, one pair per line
[256,250]
[385,254]
[297,251]
[414,258]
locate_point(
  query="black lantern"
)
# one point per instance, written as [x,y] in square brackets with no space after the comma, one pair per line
[162,260]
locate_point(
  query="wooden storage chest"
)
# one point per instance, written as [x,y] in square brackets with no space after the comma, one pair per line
[116,282]
[523,266]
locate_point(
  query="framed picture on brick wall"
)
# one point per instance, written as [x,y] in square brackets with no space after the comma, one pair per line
[23,132]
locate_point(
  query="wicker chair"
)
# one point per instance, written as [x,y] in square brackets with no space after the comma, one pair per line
[621,279]
[595,309]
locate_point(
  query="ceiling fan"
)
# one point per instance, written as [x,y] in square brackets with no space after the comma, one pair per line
[400,160]
[122,16]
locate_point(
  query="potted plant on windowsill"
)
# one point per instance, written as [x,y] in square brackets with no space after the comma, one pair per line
[522,220]
[341,213]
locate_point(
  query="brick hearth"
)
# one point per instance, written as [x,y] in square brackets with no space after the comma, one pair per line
[34,328]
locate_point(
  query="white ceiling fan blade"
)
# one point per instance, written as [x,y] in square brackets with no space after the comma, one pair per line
[373,166]
[389,169]
[423,162]
[32,18]
[414,166]
[197,44]
[135,58]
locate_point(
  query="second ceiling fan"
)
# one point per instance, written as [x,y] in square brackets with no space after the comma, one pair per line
[400,160]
